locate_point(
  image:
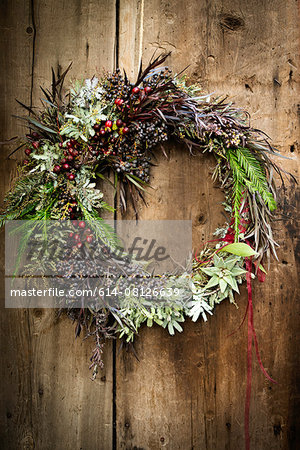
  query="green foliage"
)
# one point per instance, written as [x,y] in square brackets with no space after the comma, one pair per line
[248,175]
[254,176]
[239,249]
[74,133]
[138,312]
[79,124]
[198,306]
[223,274]
[220,281]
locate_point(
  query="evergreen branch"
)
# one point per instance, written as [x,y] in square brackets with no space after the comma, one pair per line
[257,180]
[236,191]
[103,231]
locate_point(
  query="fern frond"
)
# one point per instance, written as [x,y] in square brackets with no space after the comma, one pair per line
[102,230]
[256,180]
[238,176]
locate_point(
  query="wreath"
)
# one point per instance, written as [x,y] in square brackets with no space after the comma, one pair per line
[110,129]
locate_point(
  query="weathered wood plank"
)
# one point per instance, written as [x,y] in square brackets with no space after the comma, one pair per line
[188,391]
[50,401]
[16,411]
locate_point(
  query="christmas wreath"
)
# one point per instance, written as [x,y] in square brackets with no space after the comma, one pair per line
[110,128]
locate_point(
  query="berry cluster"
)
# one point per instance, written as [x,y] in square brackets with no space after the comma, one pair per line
[159,78]
[71,161]
[116,86]
[68,204]
[149,134]
[34,141]
[231,136]
[81,235]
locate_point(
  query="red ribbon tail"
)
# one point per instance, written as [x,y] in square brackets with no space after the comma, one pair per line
[249,378]
[251,336]
[249,354]
[241,324]
[259,358]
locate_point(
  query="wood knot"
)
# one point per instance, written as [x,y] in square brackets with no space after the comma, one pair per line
[277,429]
[27,443]
[38,313]
[231,22]
[202,219]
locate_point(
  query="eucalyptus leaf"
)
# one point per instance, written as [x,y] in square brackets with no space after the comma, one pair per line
[239,249]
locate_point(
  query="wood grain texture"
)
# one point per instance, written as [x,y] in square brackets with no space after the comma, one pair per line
[188,392]
[16,411]
[48,398]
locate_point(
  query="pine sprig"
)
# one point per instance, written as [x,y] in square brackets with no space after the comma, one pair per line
[102,230]
[238,176]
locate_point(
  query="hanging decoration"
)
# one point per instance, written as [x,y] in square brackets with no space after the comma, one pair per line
[111,129]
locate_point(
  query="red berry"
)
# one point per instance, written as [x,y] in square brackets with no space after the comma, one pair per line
[125,130]
[119,101]
[66,166]
[25,162]
[71,234]
[88,230]
[56,169]
[70,158]
[89,239]
[35,144]
[70,209]
[102,132]
[81,224]
[66,153]
[148,89]
[69,144]
[135,90]
[96,127]
[75,152]
[119,123]
[35,135]
[73,142]
[71,151]
[79,245]
[63,161]
[108,124]
[60,145]
[27,151]
[71,177]
[76,237]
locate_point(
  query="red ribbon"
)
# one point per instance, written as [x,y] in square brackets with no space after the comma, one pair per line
[230,237]
[251,337]
[249,353]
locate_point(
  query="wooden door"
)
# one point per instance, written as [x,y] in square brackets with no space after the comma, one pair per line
[187,391]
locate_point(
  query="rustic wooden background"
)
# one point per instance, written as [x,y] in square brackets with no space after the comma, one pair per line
[186,392]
